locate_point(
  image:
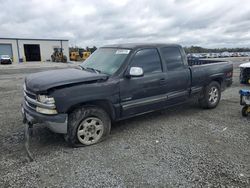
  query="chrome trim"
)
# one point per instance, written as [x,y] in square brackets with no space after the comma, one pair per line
[152,100]
[26,91]
[196,89]
[144,102]
[29,105]
[39,104]
[177,94]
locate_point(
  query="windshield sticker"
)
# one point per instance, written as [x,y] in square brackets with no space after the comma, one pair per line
[122,52]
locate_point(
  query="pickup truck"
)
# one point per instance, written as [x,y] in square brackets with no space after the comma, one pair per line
[118,82]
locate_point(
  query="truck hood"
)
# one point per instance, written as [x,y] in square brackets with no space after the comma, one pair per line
[42,81]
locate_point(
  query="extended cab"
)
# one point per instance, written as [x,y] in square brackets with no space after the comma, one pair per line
[117,82]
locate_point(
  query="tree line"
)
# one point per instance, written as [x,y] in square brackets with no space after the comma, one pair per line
[198,49]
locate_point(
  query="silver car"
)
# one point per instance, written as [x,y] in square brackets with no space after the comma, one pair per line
[5,59]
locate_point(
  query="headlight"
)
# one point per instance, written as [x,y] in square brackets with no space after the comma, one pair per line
[46,99]
[46,111]
[49,105]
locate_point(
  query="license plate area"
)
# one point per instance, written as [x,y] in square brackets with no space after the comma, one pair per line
[26,117]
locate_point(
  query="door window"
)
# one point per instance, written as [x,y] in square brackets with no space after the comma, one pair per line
[148,60]
[172,57]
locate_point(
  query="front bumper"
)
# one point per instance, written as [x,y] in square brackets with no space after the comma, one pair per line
[56,123]
[5,61]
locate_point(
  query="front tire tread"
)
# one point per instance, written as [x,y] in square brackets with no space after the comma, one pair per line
[78,115]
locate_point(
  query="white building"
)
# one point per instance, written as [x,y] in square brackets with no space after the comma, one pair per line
[23,49]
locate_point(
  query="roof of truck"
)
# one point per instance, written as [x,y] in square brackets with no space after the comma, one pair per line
[141,45]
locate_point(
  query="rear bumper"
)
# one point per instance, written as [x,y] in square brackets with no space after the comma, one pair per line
[56,123]
[227,83]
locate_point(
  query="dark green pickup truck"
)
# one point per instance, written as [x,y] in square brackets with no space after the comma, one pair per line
[118,82]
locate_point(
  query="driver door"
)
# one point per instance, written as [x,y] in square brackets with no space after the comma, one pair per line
[145,93]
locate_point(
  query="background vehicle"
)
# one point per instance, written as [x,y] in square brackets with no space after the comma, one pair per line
[79,55]
[5,59]
[85,55]
[58,56]
[245,102]
[118,82]
[74,56]
[245,73]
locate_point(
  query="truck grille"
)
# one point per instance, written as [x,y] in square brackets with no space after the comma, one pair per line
[31,101]
[28,98]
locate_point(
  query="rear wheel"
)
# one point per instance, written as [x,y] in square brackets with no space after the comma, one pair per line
[87,126]
[52,58]
[212,95]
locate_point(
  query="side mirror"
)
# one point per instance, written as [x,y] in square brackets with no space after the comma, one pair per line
[135,72]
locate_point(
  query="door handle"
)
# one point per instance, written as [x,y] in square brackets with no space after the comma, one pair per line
[162,81]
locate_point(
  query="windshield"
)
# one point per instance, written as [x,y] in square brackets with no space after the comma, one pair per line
[106,60]
[5,56]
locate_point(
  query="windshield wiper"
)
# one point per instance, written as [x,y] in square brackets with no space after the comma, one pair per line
[92,69]
[95,70]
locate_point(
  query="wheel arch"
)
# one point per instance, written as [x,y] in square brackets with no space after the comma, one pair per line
[216,78]
[203,99]
[104,104]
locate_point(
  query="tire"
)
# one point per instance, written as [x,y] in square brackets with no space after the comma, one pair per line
[244,112]
[64,59]
[87,126]
[211,96]
[53,58]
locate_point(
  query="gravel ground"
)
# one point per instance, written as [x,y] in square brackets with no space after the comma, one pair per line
[183,146]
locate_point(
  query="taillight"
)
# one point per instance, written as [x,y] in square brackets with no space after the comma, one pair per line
[229,74]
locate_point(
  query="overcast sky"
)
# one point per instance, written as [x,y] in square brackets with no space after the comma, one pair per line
[207,23]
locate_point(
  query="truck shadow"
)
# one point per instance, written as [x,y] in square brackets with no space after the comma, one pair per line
[188,108]
[43,141]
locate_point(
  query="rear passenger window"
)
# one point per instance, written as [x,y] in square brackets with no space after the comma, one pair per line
[148,60]
[172,57]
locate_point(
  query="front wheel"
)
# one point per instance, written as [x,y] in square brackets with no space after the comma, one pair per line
[87,126]
[244,111]
[212,95]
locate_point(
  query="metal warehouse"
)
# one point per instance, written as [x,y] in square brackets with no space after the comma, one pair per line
[24,49]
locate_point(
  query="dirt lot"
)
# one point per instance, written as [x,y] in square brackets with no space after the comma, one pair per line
[183,146]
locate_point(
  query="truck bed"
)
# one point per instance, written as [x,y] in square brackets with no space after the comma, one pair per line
[192,62]
[204,71]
